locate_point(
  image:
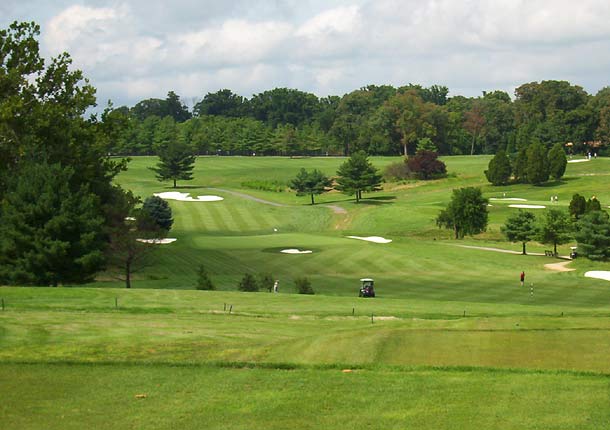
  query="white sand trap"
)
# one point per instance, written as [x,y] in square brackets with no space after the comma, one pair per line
[578,161]
[186,197]
[295,251]
[158,241]
[129,218]
[376,239]
[598,274]
[527,206]
[514,199]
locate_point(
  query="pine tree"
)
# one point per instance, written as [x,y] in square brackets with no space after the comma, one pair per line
[520,166]
[499,169]
[593,236]
[537,164]
[159,211]
[520,228]
[176,161]
[356,175]
[310,183]
[248,283]
[203,280]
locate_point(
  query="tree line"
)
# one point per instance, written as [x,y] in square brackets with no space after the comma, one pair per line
[376,119]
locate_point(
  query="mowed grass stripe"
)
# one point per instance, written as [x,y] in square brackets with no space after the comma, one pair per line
[193,217]
[217,215]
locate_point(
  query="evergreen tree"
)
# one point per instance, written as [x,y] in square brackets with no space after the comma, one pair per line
[303,286]
[520,227]
[266,281]
[356,175]
[593,235]
[466,214]
[499,170]
[593,205]
[557,161]
[520,166]
[51,233]
[314,182]
[555,228]
[203,279]
[578,206]
[159,211]
[176,161]
[537,164]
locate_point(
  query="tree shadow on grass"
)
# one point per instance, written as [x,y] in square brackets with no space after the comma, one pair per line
[377,201]
[560,182]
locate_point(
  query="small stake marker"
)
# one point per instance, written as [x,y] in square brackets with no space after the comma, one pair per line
[225,308]
[231,309]
[372,321]
[3,305]
[116,302]
[464,313]
[353,311]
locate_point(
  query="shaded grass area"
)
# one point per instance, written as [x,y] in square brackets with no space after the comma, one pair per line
[104,397]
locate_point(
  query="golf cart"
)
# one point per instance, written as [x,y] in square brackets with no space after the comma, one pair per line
[367,289]
[573,253]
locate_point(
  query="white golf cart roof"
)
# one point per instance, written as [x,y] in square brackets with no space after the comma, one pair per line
[366,280]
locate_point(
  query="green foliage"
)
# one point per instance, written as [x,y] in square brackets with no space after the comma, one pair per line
[520,227]
[311,183]
[248,284]
[593,205]
[537,164]
[520,166]
[555,228]
[204,282]
[303,286]
[176,162]
[426,144]
[593,236]
[264,185]
[466,214]
[266,281]
[557,161]
[397,171]
[499,170]
[356,175]
[50,234]
[578,206]
[159,211]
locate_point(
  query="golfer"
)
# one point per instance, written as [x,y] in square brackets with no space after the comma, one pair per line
[522,277]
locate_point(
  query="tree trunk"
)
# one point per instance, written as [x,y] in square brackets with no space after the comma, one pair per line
[524,253]
[555,249]
[357,196]
[174,183]
[312,202]
[474,138]
[128,274]
[405,149]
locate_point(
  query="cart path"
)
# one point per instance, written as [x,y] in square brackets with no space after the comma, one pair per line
[559,267]
[334,208]
[508,251]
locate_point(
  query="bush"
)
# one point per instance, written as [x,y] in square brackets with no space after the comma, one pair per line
[248,284]
[426,165]
[397,171]
[266,281]
[303,286]
[203,280]
[499,169]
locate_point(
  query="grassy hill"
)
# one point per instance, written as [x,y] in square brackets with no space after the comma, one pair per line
[451,342]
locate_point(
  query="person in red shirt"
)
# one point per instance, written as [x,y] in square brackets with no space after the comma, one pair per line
[522,277]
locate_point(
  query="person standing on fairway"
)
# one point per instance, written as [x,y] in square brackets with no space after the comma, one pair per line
[522,277]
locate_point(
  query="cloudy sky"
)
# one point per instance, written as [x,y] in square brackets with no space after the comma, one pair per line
[136,49]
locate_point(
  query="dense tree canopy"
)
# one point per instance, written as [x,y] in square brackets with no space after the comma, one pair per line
[466,213]
[356,175]
[520,227]
[593,235]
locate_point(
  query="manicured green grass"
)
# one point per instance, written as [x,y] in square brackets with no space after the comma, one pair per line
[451,341]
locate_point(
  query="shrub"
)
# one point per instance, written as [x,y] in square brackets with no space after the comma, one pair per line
[426,165]
[248,284]
[397,171]
[203,280]
[266,281]
[303,286]
[499,169]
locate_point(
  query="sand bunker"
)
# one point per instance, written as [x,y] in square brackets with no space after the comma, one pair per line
[598,274]
[527,206]
[295,251]
[186,197]
[376,239]
[158,241]
[514,199]
[578,161]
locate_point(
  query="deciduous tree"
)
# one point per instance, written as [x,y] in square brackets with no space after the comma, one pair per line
[520,227]
[466,213]
[310,183]
[555,228]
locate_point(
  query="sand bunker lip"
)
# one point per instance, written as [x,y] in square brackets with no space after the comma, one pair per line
[578,161]
[527,206]
[513,199]
[598,274]
[295,251]
[158,241]
[375,239]
[186,197]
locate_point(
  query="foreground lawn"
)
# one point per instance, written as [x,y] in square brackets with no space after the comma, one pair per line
[195,397]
